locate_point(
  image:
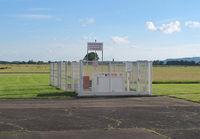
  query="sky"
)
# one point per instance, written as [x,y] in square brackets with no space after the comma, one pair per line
[58,30]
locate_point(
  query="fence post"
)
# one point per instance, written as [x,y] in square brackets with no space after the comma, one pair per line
[72,76]
[66,76]
[81,77]
[150,77]
[50,66]
[110,82]
[137,76]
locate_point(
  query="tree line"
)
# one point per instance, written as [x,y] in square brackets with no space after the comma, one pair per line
[24,62]
[181,62]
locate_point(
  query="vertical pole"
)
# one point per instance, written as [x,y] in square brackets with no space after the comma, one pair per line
[58,75]
[81,77]
[102,53]
[66,83]
[95,55]
[87,51]
[72,76]
[128,86]
[87,60]
[110,82]
[51,74]
[150,77]
[137,76]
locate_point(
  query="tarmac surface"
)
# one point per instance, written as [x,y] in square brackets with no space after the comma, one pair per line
[120,117]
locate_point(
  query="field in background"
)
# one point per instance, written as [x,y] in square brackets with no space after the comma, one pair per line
[24,68]
[28,86]
[176,74]
[161,74]
[167,79]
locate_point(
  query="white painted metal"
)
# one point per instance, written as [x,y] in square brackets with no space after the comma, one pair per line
[101,82]
[138,77]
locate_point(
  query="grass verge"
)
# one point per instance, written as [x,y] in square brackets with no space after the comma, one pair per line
[185,91]
[29,86]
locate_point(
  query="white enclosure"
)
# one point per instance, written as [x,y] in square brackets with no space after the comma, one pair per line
[103,78]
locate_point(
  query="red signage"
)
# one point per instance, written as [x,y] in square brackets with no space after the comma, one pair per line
[95,46]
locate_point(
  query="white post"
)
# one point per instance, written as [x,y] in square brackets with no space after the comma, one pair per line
[51,74]
[66,76]
[58,75]
[72,76]
[150,77]
[81,77]
[127,79]
[110,82]
[137,76]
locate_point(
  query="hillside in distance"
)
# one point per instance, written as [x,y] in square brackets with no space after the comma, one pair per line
[196,59]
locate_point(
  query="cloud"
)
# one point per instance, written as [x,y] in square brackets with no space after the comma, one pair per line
[34,16]
[192,24]
[120,40]
[87,21]
[151,26]
[165,28]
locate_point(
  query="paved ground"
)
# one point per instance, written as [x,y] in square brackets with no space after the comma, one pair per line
[129,117]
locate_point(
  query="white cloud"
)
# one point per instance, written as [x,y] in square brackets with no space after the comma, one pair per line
[165,28]
[150,26]
[87,21]
[192,24]
[34,16]
[120,40]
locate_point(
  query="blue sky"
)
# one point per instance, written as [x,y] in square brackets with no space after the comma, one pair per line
[130,29]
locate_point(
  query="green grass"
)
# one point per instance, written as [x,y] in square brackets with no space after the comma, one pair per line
[29,86]
[24,68]
[175,81]
[176,74]
[185,91]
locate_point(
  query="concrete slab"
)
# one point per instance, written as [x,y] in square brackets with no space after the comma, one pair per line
[87,134]
[171,117]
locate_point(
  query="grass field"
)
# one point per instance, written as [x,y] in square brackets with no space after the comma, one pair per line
[24,68]
[167,79]
[186,91]
[28,86]
[176,74]
[161,74]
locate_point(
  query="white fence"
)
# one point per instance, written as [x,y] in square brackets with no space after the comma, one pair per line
[103,78]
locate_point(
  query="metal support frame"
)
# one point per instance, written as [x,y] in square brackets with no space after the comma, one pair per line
[66,76]
[72,76]
[137,76]
[150,77]
[110,81]
[81,77]
[57,79]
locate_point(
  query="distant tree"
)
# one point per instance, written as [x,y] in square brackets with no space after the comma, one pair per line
[186,63]
[157,62]
[40,62]
[91,56]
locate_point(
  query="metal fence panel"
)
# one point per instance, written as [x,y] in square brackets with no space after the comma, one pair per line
[96,78]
